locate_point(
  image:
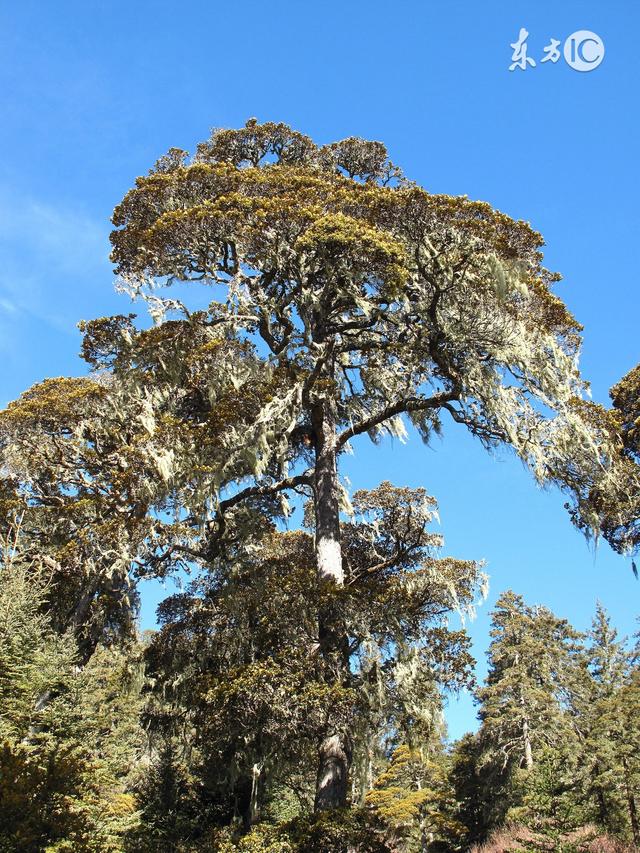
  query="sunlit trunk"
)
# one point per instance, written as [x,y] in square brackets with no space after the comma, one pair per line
[328,553]
[253,805]
[526,737]
[526,733]
[334,754]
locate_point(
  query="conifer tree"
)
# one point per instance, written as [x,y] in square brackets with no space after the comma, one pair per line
[523,703]
[67,764]
[610,729]
[556,750]
[369,299]
[607,668]
[415,800]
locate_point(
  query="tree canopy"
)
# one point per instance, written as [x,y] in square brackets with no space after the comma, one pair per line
[303,296]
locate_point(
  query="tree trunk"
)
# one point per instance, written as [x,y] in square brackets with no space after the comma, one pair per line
[328,553]
[526,733]
[334,754]
[253,805]
[528,753]
[334,758]
[602,809]
[631,805]
[78,621]
[600,799]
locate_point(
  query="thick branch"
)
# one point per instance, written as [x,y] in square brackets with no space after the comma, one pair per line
[409,404]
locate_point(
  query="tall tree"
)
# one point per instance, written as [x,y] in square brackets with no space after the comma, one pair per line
[607,667]
[608,718]
[368,299]
[556,749]
[253,688]
[526,698]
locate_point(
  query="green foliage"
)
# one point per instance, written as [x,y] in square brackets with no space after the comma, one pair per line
[415,802]
[532,664]
[297,671]
[551,803]
[336,832]
[578,698]
[67,736]
[236,674]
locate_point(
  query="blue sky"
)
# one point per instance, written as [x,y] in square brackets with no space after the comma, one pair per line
[93,93]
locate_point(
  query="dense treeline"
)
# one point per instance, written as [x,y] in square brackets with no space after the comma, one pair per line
[201,735]
[557,748]
[291,699]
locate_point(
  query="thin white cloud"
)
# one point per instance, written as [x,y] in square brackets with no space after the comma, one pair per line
[7,306]
[50,258]
[68,238]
